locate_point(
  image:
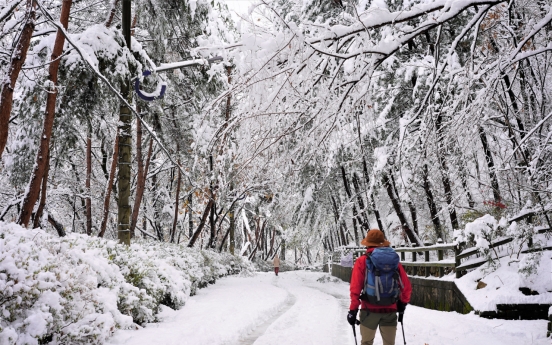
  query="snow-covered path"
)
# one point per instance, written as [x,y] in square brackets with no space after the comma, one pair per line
[296,308]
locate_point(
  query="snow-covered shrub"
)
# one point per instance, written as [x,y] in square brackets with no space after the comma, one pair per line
[481,233]
[521,233]
[79,289]
[529,264]
[58,289]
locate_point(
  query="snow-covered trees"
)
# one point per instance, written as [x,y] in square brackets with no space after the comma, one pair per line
[321,121]
[446,102]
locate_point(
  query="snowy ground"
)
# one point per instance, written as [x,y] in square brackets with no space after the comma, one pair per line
[295,308]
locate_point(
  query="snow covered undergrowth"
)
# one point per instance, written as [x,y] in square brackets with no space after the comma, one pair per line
[302,307]
[80,289]
[507,269]
[504,281]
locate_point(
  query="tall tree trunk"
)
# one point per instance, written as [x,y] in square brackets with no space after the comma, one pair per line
[283,250]
[109,187]
[42,203]
[258,239]
[190,214]
[272,236]
[490,165]
[59,228]
[112,12]
[211,243]
[41,158]
[157,211]
[355,213]
[339,224]
[196,234]
[18,57]
[80,194]
[232,229]
[372,200]
[356,185]
[414,217]
[445,175]
[125,141]
[431,203]
[139,173]
[88,178]
[398,210]
[464,180]
[175,220]
[142,175]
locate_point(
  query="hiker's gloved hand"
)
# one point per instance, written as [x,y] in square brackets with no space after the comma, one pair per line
[401,306]
[351,317]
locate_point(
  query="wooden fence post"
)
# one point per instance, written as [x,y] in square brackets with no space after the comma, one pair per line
[427,269]
[440,258]
[414,259]
[457,261]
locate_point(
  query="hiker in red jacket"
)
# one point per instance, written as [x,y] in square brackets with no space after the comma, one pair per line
[374,315]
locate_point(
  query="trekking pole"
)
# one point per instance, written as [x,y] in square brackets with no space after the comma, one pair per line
[402,326]
[354,333]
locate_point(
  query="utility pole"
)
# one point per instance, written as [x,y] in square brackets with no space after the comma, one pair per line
[125,144]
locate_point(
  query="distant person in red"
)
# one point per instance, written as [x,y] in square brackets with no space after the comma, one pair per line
[276,263]
[377,293]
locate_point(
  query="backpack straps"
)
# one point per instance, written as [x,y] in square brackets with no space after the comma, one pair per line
[378,286]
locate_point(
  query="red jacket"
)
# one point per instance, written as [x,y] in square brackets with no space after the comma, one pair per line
[357,284]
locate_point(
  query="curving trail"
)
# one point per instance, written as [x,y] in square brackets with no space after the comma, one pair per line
[295,309]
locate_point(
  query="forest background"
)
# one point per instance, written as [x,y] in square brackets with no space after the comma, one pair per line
[323,119]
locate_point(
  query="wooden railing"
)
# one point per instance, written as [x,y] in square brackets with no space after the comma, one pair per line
[423,268]
[439,258]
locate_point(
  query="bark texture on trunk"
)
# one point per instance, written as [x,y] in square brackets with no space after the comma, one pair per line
[125,141]
[349,195]
[124,174]
[211,243]
[175,220]
[445,176]
[141,177]
[139,174]
[109,187]
[339,224]
[397,207]
[372,199]
[232,229]
[201,223]
[490,165]
[58,226]
[414,217]
[42,203]
[112,12]
[259,233]
[431,203]
[42,155]
[88,178]
[366,222]
[190,215]
[16,63]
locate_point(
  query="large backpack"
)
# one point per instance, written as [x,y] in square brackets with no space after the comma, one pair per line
[383,282]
